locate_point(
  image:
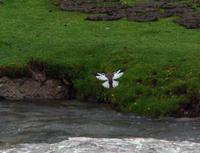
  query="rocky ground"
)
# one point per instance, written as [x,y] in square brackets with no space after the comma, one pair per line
[93,145]
[107,10]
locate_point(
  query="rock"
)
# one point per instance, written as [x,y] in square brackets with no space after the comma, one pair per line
[107,10]
[190,21]
[102,145]
[107,17]
[151,16]
[31,89]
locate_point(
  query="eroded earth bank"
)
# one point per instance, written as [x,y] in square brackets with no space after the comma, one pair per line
[32,84]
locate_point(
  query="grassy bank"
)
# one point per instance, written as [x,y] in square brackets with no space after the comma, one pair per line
[161,58]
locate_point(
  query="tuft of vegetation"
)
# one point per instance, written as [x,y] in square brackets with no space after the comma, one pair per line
[161,58]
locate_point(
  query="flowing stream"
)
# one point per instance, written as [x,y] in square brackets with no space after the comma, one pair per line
[51,122]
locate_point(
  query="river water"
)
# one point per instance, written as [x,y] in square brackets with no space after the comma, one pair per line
[51,122]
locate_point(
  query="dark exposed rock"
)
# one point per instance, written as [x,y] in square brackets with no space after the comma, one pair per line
[143,18]
[180,11]
[190,109]
[106,17]
[106,10]
[190,21]
[89,6]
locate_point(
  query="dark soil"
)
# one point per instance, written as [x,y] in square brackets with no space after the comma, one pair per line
[190,109]
[107,10]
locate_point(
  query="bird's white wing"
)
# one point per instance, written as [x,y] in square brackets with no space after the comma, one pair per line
[101,77]
[118,74]
[115,83]
[106,84]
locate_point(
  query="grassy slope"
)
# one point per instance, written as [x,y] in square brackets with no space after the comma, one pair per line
[162,58]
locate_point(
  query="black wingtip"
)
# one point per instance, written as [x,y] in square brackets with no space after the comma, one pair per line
[123,69]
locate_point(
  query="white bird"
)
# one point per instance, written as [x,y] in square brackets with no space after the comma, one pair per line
[110,78]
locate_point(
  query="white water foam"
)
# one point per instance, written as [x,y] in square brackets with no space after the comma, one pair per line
[106,145]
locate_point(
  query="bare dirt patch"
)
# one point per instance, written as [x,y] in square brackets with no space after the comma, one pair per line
[107,10]
[190,109]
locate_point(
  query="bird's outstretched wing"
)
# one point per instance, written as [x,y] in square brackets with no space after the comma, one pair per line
[115,83]
[117,74]
[106,84]
[101,76]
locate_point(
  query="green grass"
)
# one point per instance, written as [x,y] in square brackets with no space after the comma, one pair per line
[161,58]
